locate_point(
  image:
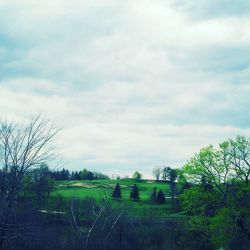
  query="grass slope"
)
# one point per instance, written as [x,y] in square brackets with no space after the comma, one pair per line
[99,189]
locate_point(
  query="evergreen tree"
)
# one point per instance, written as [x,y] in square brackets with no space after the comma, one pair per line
[117,191]
[153,195]
[160,199]
[134,194]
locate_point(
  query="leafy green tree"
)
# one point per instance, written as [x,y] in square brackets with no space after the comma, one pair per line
[205,183]
[160,199]
[221,191]
[182,181]
[198,202]
[137,176]
[228,163]
[238,152]
[117,191]
[134,194]
[213,165]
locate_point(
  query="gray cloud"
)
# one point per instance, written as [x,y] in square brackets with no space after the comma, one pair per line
[133,84]
[213,8]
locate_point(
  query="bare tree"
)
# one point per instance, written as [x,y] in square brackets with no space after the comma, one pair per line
[22,146]
[103,218]
[157,172]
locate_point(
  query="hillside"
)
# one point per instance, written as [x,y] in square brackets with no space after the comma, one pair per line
[102,189]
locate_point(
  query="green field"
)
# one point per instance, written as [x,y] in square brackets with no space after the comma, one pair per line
[100,189]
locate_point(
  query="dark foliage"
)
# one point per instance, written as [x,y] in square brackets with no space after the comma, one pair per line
[160,199]
[134,194]
[153,195]
[117,191]
[84,174]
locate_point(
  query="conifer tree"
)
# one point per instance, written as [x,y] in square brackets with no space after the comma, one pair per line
[117,191]
[153,195]
[134,194]
[160,199]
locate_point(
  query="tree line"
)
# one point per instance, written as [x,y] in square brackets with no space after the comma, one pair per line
[84,174]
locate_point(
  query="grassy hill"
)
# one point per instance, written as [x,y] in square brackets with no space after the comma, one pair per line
[100,189]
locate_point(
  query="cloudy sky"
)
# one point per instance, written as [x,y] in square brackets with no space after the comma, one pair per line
[133,83]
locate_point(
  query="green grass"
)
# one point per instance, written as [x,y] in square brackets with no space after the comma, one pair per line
[99,189]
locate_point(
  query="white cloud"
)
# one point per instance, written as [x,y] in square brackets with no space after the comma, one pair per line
[134,84]
[100,129]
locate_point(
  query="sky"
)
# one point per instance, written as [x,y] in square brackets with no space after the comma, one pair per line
[133,84]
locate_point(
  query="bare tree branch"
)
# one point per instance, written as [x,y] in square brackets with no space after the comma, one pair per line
[22,146]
